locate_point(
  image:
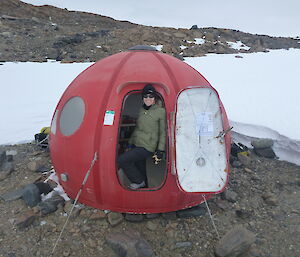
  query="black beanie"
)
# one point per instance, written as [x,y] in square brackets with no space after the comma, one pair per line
[148,89]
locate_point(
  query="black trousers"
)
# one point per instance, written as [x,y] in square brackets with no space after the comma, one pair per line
[133,162]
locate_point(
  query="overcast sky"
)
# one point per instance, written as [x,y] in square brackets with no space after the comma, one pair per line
[271,17]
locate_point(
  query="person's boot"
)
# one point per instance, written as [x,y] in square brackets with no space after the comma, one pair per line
[135,186]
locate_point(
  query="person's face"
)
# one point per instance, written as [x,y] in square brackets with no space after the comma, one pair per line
[148,99]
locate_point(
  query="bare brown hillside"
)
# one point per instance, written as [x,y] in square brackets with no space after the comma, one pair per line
[31,33]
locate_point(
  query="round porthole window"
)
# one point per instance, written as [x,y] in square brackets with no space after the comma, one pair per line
[71,116]
[53,124]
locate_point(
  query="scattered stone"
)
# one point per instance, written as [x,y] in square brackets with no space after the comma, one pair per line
[33,166]
[51,205]
[248,170]
[169,215]
[66,252]
[270,199]
[183,244]
[151,225]
[25,220]
[235,243]
[134,217]
[265,152]
[99,215]
[194,27]
[12,195]
[42,169]
[244,158]
[236,164]
[44,188]
[230,196]
[2,157]
[115,218]
[31,195]
[129,243]
[192,212]
[222,204]
[11,152]
[242,213]
[262,143]
[7,167]
[152,215]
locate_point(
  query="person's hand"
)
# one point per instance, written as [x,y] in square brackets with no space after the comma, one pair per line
[157,156]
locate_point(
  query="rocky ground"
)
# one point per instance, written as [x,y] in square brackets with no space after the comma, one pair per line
[30,33]
[261,203]
[262,198]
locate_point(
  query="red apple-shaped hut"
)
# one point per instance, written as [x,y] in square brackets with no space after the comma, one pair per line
[96,115]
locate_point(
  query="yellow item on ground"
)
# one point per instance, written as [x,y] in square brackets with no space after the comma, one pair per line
[45,130]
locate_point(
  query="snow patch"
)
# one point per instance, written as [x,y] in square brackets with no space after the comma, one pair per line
[158,47]
[238,45]
[199,41]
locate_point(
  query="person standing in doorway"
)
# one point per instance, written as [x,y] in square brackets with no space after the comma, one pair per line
[148,138]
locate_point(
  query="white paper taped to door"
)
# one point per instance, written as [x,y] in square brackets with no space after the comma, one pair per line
[109,118]
[204,123]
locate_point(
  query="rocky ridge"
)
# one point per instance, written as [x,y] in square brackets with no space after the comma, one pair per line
[31,33]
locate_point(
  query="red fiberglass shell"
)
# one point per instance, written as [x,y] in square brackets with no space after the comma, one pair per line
[103,87]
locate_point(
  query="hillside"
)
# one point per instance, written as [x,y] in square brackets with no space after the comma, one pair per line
[31,33]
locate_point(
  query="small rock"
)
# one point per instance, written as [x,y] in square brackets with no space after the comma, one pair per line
[44,188]
[134,217]
[152,215]
[192,212]
[230,196]
[265,152]
[183,244]
[270,199]
[12,195]
[169,215]
[248,170]
[11,152]
[33,165]
[92,243]
[31,195]
[262,143]
[99,215]
[2,157]
[235,243]
[115,218]
[25,220]
[66,252]
[129,243]
[242,213]
[50,205]
[222,204]
[151,225]
[244,158]
[7,167]
[11,255]
[194,27]
[236,164]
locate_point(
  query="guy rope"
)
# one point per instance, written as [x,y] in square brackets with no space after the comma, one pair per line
[76,199]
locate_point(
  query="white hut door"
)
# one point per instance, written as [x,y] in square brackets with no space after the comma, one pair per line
[200,153]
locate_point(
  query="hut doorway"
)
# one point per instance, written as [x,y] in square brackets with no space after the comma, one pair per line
[156,173]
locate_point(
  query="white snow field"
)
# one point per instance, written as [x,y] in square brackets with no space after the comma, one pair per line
[260,93]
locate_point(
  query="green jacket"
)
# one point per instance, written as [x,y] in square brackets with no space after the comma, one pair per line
[150,130]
